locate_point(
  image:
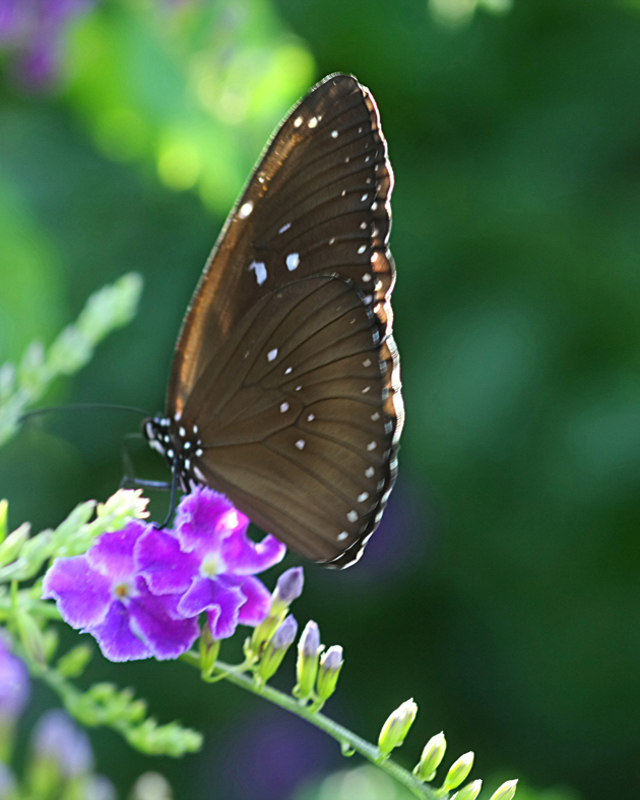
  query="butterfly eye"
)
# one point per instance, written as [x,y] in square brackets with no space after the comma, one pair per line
[284,392]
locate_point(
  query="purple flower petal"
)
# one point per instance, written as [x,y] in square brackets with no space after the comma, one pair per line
[7,782]
[115,637]
[38,65]
[166,637]
[203,514]
[14,686]
[58,739]
[205,594]
[12,19]
[245,557]
[224,623]
[83,594]
[258,599]
[166,568]
[112,553]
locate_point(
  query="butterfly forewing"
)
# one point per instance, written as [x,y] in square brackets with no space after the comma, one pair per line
[286,362]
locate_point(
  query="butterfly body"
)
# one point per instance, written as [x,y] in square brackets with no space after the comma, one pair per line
[285,390]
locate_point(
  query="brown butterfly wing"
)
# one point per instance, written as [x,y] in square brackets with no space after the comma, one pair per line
[293,312]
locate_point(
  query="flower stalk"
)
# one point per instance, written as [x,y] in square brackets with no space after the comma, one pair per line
[347,740]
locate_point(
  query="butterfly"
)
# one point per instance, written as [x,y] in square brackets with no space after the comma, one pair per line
[284,393]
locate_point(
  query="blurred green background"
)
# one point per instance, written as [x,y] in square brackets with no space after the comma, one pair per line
[502,589]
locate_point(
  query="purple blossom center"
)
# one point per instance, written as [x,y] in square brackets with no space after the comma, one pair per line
[123,590]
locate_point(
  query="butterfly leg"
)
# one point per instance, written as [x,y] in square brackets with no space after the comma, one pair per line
[172,500]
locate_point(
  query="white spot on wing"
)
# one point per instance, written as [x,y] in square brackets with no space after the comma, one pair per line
[311,417]
[375,417]
[366,277]
[285,228]
[261,271]
[300,444]
[155,445]
[366,362]
[352,516]
[362,248]
[293,260]
[362,497]
[297,122]
[284,407]
[371,446]
[272,354]
[313,122]
[199,474]
[364,197]
[334,134]
[369,472]
[288,371]
[245,209]
[342,536]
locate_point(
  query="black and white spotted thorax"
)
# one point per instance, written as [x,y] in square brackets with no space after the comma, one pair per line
[179,442]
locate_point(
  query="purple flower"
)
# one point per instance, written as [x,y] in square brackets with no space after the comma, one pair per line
[103,593]
[14,684]
[57,739]
[33,30]
[100,788]
[139,591]
[210,560]
[7,782]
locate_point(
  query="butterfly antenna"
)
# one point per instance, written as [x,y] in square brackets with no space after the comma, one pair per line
[82,407]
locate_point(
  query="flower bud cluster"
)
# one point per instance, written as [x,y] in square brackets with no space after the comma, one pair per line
[317,672]
[288,588]
[393,734]
[109,308]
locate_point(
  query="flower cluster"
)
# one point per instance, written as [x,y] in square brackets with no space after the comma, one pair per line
[139,591]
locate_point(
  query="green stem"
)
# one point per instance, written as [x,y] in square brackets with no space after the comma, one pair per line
[348,741]
[41,608]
